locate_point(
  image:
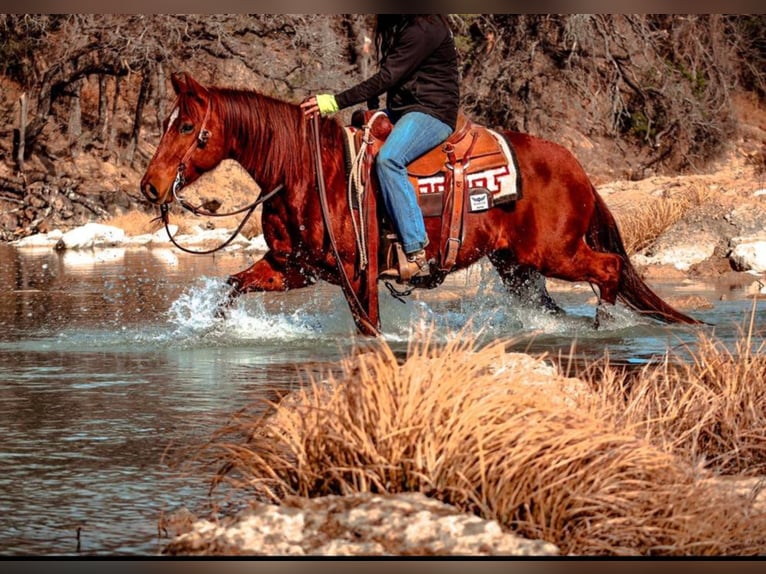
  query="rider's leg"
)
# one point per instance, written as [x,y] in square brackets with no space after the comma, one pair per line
[414,134]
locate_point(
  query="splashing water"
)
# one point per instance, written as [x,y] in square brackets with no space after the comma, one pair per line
[318,320]
[256,317]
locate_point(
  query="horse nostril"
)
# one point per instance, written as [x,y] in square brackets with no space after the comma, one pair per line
[151,192]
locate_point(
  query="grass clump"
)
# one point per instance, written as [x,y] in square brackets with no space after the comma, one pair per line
[499,435]
[709,408]
[642,224]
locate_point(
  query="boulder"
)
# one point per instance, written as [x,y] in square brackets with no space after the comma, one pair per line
[211,237]
[749,255]
[409,524]
[680,247]
[91,235]
[49,239]
[257,245]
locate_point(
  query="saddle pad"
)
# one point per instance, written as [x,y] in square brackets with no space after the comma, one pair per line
[501,179]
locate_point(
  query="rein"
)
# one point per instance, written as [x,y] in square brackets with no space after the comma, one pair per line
[356,306]
[165,211]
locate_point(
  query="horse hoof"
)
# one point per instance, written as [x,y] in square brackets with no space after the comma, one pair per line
[234,282]
[550,307]
[603,318]
[228,300]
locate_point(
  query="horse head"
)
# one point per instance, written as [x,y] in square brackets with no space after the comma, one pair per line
[192,142]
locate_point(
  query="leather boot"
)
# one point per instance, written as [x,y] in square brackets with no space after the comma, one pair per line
[415,265]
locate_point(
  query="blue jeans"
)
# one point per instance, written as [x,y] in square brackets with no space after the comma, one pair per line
[413,135]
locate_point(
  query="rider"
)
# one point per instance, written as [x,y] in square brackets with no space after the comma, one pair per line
[418,71]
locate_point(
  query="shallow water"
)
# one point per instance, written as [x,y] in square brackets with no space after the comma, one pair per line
[108,358]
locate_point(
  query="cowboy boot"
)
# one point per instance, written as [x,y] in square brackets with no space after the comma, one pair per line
[413,265]
[417,265]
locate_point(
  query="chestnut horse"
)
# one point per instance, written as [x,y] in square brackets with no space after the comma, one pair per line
[561,227]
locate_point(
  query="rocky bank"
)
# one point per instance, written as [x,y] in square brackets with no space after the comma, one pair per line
[356,525]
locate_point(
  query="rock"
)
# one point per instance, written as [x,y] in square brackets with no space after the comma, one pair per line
[749,219]
[48,240]
[257,244]
[177,522]
[91,235]
[408,524]
[711,267]
[681,255]
[749,256]
[211,237]
[689,302]
[159,237]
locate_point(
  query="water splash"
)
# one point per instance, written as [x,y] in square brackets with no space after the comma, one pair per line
[256,317]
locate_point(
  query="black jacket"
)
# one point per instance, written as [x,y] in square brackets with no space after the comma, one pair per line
[418,73]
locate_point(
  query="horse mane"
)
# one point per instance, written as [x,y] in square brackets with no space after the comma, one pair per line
[272,135]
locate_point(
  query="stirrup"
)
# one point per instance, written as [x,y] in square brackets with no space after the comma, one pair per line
[413,265]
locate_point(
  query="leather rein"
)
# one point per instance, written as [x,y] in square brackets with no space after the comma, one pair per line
[357,309]
[199,143]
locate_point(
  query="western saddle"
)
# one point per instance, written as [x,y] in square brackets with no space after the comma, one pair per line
[472,171]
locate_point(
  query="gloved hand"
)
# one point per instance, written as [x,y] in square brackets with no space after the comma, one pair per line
[324,104]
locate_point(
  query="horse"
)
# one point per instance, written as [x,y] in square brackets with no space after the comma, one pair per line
[560,228]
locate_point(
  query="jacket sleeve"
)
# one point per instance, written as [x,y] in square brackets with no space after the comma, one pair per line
[414,45]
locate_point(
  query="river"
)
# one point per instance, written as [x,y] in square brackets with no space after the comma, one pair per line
[110,357]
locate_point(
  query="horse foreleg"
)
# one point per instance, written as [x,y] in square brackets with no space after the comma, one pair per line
[361,294]
[264,275]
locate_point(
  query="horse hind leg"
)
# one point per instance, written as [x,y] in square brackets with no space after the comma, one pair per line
[595,267]
[524,283]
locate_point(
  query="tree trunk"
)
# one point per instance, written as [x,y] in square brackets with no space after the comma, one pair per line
[160,96]
[103,108]
[19,137]
[134,136]
[74,127]
[110,144]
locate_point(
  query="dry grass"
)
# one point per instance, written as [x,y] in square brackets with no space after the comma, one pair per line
[643,223]
[757,160]
[710,409]
[476,429]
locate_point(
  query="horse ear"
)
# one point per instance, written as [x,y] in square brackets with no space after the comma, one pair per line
[193,87]
[183,83]
[178,80]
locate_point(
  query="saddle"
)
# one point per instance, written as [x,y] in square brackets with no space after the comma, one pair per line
[472,171]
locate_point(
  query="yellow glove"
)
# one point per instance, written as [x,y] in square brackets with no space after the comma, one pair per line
[326,104]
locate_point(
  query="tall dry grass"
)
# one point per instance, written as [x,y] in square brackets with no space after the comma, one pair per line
[641,224]
[477,429]
[709,407]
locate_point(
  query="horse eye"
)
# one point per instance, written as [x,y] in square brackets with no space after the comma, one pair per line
[186,128]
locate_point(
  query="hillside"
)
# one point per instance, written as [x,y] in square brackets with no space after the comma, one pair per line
[82,97]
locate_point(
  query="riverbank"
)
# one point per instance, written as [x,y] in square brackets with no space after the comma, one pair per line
[686,228]
[521,461]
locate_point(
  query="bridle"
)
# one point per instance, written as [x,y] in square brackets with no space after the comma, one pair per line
[199,143]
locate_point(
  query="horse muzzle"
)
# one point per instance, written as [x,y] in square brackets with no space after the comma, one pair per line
[151,193]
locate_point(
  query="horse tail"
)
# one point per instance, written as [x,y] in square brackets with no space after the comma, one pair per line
[603,235]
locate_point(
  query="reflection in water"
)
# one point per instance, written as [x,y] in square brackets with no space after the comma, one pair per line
[109,358]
